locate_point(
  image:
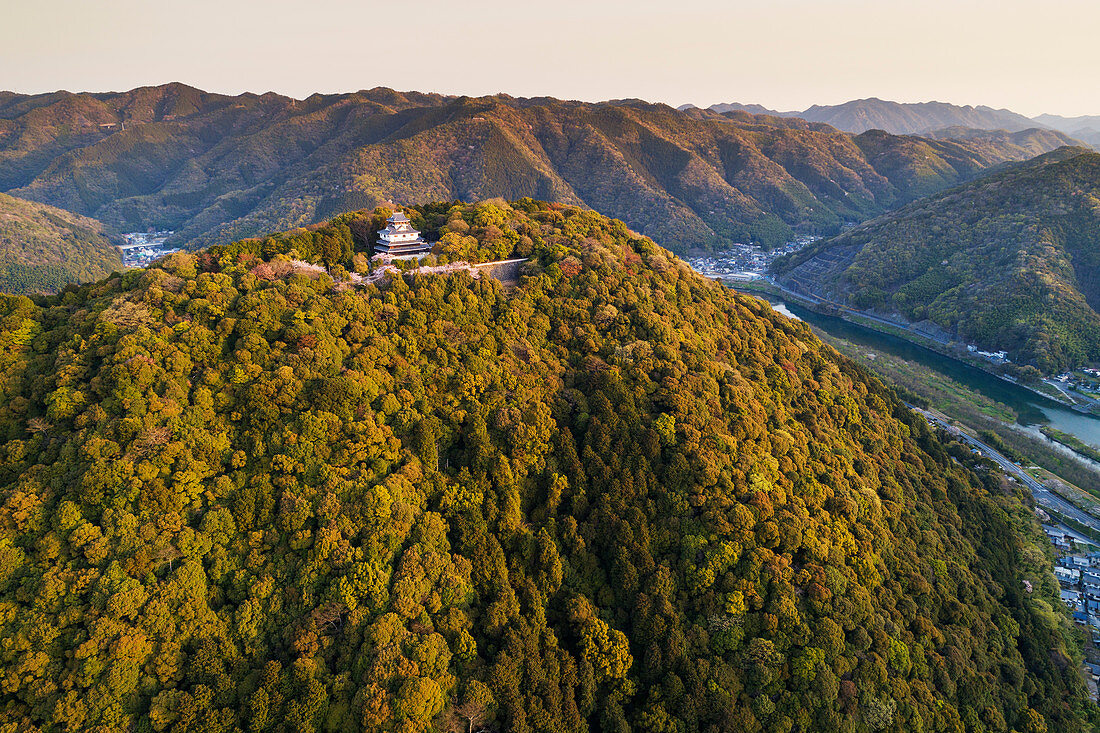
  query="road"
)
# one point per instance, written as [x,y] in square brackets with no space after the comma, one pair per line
[922,337]
[844,310]
[1043,496]
[1076,400]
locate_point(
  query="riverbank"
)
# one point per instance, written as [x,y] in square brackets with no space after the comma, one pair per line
[877,323]
[1035,433]
[1071,442]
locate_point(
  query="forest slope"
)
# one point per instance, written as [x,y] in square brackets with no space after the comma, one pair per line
[217,168]
[1010,261]
[236,494]
[42,248]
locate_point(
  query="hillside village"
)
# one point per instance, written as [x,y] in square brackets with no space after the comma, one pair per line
[744,261]
[1077,570]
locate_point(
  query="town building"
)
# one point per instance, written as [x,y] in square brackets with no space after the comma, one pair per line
[1069,576]
[399,240]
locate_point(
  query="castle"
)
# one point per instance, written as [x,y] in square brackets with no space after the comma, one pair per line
[400,240]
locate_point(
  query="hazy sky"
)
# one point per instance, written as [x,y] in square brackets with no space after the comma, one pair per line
[1029,56]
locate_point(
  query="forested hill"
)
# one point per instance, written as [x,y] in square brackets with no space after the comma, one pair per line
[42,249]
[1010,261]
[242,495]
[217,168]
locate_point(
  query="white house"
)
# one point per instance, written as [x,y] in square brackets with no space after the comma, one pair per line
[1069,576]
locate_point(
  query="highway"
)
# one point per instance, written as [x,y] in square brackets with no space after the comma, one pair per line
[1043,496]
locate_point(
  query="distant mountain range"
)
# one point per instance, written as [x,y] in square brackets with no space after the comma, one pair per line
[922,118]
[754,109]
[1086,128]
[217,168]
[1009,261]
[914,119]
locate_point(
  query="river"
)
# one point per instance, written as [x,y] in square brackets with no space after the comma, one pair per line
[1032,409]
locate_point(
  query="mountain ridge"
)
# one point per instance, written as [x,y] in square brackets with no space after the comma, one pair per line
[921,118]
[217,168]
[915,118]
[1084,127]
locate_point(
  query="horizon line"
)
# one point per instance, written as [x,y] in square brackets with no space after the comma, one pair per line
[501,93]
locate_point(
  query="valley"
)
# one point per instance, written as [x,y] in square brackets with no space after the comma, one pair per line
[143,248]
[1004,263]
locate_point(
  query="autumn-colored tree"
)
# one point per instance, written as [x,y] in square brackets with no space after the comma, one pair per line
[237,494]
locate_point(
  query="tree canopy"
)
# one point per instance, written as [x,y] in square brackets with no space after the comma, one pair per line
[236,494]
